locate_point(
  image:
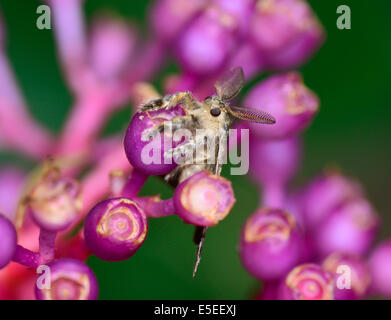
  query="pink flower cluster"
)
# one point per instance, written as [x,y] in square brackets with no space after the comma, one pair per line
[295,243]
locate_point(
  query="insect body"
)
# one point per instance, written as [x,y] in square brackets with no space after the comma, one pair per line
[214,116]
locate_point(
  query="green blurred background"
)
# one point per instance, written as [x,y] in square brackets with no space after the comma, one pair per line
[352,76]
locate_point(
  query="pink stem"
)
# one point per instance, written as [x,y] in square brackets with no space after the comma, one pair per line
[105,145]
[9,89]
[26,257]
[47,241]
[157,208]
[274,195]
[134,184]
[71,39]
[18,130]
[84,123]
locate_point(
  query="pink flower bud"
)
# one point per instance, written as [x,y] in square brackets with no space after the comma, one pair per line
[324,194]
[205,45]
[169,17]
[242,10]
[351,274]
[249,58]
[111,48]
[204,199]
[287,98]
[270,244]
[144,153]
[69,280]
[350,228]
[55,202]
[115,228]
[286,32]
[308,282]
[380,262]
[272,164]
[7,241]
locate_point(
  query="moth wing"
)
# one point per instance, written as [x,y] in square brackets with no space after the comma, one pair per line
[252,115]
[230,84]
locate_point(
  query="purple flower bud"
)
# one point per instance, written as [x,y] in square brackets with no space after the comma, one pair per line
[324,194]
[7,241]
[308,282]
[351,274]
[204,199]
[55,202]
[379,263]
[69,280]
[11,185]
[145,154]
[169,17]
[115,228]
[274,160]
[270,244]
[288,100]
[248,57]
[350,228]
[272,165]
[112,43]
[286,32]
[242,10]
[205,45]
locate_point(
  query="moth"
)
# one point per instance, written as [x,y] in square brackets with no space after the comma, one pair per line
[214,116]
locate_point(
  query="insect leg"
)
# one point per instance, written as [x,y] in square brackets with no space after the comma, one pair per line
[184,98]
[153,105]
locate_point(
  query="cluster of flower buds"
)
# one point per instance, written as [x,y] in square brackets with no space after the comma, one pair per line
[52,204]
[312,243]
[258,35]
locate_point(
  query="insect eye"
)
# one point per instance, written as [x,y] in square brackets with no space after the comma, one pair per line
[215,112]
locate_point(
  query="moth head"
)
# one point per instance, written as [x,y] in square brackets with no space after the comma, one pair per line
[217,109]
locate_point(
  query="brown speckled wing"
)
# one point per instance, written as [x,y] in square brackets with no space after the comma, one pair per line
[230,84]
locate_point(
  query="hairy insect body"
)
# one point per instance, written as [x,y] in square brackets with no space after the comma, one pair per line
[205,147]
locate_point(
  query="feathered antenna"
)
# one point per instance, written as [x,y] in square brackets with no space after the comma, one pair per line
[252,115]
